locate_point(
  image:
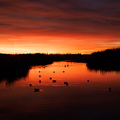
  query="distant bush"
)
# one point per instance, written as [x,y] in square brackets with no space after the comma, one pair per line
[107,59]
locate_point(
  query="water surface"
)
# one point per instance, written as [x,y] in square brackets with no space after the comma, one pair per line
[90,95]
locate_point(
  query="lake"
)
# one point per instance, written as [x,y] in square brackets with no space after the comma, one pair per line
[89,95]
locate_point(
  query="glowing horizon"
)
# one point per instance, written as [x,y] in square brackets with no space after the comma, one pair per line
[43,26]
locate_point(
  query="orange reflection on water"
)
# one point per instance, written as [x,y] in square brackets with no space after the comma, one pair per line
[73,73]
[76,74]
[86,97]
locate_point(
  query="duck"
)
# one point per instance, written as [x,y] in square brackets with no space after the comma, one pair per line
[54,81]
[40,81]
[88,80]
[66,83]
[110,89]
[36,90]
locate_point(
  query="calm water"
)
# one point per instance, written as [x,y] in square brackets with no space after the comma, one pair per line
[90,95]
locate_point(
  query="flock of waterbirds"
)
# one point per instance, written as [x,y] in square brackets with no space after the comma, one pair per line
[65,83]
[37,89]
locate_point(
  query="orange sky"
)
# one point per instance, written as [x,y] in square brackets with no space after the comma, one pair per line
[59,26]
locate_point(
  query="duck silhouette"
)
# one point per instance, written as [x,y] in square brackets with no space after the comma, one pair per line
[54,81]
[88,80]
[110,89]
[66,83]
[36,90]
[40,81]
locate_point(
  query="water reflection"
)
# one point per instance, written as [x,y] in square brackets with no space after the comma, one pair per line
[56,74]
[77,93]
[103,68]
[10,75]
[103,71]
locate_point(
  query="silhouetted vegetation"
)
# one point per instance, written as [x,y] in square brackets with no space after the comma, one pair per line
[24,60]
[106,60]
[7,60]
[13,67]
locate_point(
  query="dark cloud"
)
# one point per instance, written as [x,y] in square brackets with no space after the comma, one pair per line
[3,4]
[67,16]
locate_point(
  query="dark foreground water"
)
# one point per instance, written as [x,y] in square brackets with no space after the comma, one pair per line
[90,95]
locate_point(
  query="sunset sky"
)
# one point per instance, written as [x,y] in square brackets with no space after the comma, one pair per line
[59,26]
